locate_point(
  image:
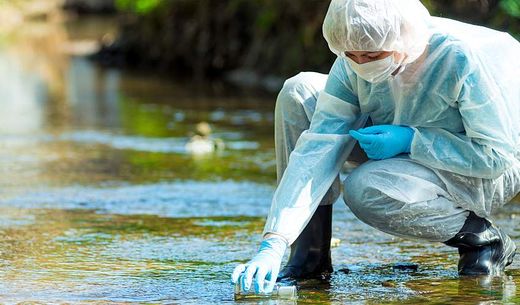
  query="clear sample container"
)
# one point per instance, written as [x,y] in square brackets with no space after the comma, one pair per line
[280,291]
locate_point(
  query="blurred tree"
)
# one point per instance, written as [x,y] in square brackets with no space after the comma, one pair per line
[503,15]
[512,7]
[90,6]
[207,38]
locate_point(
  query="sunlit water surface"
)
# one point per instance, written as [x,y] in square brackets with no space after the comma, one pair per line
[101,202]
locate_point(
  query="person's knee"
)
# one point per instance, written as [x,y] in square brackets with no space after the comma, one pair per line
[367,200]
[299,84]
[361,194]
[298,93]
[353,189]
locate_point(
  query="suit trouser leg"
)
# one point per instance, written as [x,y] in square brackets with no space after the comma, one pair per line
[404,198]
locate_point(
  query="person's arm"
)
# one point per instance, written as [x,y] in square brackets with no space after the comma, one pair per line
[487,148]
[317,158]
[313,165]
[311,170]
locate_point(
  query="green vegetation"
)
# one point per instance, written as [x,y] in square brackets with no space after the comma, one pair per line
[508,18]
[503,15]
[511,7]
[269,37]
[140,7]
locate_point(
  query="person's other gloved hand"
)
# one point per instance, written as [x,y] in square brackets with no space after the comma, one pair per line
[265,265]
[384,141]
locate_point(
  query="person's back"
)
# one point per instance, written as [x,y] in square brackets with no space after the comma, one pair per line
[493,51]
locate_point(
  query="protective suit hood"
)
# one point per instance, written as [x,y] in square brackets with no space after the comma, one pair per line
[377,25]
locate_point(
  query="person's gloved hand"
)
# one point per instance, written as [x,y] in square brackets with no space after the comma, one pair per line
[384,141]
[265,265]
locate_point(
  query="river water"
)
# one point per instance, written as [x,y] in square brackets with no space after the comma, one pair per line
[102,203]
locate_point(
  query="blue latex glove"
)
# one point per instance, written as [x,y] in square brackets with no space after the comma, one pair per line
[265,265]
[384,141]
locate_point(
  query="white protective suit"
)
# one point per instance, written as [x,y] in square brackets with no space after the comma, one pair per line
[459,91]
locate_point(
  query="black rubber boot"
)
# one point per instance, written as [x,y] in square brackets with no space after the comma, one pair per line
[484,249]
[310,253]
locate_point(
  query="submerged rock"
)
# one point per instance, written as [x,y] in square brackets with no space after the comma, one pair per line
[409,267]
[390,284]
[334,242]
[202,143]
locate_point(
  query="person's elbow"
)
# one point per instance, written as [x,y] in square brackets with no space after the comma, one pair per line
[495,165]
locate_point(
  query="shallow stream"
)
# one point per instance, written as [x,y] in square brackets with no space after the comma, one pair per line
[102,203]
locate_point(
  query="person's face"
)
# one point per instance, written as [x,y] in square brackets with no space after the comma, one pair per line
[362,57]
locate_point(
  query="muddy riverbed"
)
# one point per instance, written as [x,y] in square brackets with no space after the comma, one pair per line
[101,201]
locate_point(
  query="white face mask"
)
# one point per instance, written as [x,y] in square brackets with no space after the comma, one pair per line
[375,71]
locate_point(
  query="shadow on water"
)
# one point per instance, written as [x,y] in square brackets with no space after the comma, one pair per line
[101,201]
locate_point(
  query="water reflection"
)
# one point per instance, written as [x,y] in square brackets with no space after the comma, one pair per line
[93,94]
[465,290]
[65,120]
[92,97]
[87,256]
[23,97]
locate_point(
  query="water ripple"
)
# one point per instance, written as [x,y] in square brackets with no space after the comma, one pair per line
[177,199]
